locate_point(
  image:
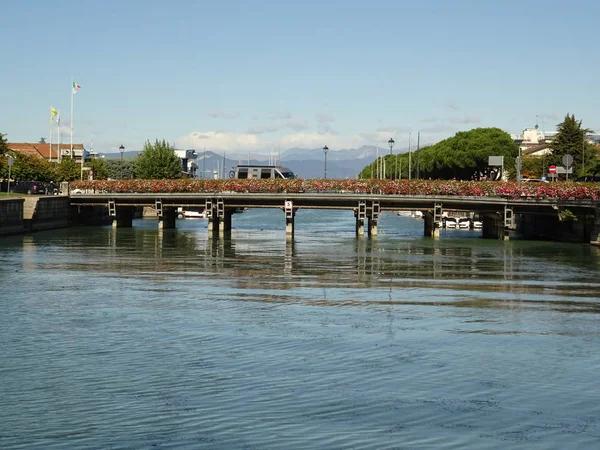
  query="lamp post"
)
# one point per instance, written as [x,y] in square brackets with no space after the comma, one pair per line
[391,144]
[325,150]
[121,149]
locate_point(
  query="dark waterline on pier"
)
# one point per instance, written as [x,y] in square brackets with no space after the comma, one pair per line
[131,338]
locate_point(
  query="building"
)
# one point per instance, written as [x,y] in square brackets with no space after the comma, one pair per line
[189,166]
[52,154]
[534,142]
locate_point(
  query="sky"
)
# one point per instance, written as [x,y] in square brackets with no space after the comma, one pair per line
[252,75]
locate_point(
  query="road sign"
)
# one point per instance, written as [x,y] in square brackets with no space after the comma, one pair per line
[567,160]
[552,169]
[11,161]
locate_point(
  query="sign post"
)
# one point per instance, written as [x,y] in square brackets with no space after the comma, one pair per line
[11,161]
[567,160]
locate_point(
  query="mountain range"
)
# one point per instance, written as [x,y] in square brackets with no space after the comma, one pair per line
[305,163]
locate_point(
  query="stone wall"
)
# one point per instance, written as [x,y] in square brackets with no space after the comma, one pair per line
[34,213]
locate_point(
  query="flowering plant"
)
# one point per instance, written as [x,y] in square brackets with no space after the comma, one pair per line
[510,189]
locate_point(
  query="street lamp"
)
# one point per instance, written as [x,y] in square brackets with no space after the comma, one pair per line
[325,150]
[391,144]
[121,149]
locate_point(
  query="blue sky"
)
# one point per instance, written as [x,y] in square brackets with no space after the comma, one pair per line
[255,75]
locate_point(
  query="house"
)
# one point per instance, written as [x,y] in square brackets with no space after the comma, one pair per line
[52,154]
[534,142]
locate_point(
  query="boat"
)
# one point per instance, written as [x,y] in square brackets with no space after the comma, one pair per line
[450,222]
[190,214]
[477,224]
[464,223]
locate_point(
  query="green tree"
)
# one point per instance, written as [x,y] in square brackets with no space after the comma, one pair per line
[68,170]
[158,160]
[120,169]
[3,145]
[463,156]
[31,168]
[99,168]
[571,140]
[42,140]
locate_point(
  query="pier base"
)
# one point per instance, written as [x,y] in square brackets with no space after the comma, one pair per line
[431,227]
[123,217]
[225,221]
[167,220]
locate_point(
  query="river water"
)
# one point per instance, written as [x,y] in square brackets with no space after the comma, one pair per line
[131,339]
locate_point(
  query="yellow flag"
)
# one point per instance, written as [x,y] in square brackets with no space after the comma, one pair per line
[53,113]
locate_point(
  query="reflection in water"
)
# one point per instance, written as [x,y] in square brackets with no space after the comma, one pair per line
[174,339]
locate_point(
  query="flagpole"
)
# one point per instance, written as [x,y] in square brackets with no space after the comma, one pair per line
[59,157]
[72,116]
[51,124]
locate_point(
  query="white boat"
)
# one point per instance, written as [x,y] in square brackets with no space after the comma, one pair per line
[477,224]
[450,222]
[464,223]
[192,214]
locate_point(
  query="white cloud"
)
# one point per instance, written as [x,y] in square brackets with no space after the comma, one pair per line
[217,141]
[222,114]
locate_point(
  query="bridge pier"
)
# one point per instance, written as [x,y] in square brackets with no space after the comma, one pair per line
[290,215]
[595,229]
[225,221]
[167,219]
[373,209]
[122,217]
[432,221]
[360,215]
[498,225]
[431,227]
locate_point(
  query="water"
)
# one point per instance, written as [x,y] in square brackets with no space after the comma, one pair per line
[130,339]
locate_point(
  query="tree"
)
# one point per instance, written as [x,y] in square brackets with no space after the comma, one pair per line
[571,140]
[3,145]
[31,168]
[157,161]
[463,157]
[42,140]
[99,168]
[120,169]
[68,170]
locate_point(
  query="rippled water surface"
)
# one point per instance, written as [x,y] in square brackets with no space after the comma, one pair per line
[130,339]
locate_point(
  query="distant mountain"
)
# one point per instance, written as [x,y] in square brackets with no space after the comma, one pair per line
[305,163]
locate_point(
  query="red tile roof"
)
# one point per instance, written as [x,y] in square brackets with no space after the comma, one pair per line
[41,150]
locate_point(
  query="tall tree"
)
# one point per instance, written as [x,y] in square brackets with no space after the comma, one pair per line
[120,169]
[463,156]
[3,145]
[42,140]
[157,161]
[571,140]
[68,170]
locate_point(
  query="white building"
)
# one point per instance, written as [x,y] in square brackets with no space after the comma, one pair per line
[188,162]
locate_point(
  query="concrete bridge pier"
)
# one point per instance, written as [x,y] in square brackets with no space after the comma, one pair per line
[225,221]
[432,221]
[431,227]
[595,228]
[122,217]
[373,210]
[498,225]
[167,219]
[290,216]
[360,213]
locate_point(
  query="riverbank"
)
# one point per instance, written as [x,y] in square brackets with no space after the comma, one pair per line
[33,213]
